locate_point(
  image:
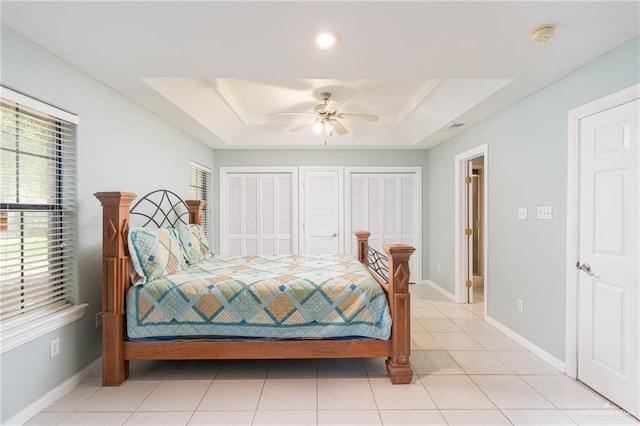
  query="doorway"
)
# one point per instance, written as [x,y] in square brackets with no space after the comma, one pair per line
[603,249]
[477,234]
[471,226]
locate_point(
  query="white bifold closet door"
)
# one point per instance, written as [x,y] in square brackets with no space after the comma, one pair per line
[388,206]
[258,218]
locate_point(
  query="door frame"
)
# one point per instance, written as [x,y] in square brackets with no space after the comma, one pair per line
[302,204]
[573,214]
[459,220]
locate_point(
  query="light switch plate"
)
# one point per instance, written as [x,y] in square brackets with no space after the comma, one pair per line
[545,212]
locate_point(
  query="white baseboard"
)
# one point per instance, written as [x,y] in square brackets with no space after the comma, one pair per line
[529,345]
[52,396]
[441,290]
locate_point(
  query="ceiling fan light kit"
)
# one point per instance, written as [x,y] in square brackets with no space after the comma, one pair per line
[317,127]
[326,39]
[327,116]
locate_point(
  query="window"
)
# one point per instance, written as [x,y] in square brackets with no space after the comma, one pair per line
[199,188]
[37,214]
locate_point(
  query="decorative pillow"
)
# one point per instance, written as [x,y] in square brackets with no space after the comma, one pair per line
[155,253]
[194,243]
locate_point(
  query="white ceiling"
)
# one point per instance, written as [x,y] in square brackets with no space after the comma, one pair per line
[223,71]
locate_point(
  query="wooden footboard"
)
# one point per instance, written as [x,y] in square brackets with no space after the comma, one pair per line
[117,351]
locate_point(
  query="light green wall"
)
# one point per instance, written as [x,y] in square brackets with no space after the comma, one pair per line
[320,157]
[120,147]
[527,163]
[527,168]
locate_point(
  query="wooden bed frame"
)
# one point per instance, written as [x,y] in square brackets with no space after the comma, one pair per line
[117,350]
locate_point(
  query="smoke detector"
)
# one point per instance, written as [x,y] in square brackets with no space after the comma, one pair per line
[542,33]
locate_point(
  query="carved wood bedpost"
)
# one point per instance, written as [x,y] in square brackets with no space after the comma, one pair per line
[115,282]
[363,246]
[195,210]
[398,365]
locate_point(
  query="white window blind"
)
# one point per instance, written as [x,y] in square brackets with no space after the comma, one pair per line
[199,185]
[37,210]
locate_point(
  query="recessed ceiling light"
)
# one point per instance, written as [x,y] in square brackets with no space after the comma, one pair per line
[326,39]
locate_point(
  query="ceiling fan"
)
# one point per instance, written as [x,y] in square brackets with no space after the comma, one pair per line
[327,115]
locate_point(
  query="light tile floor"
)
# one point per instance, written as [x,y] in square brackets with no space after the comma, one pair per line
[467,373]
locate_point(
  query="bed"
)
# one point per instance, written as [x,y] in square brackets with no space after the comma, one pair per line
[204,306]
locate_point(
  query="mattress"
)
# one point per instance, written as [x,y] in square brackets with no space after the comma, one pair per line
[280,297]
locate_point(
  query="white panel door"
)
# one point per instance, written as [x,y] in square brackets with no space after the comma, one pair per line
[322,211]
[608,322]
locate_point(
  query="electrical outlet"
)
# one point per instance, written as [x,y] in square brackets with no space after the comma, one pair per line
[99,320]
[54,347]
[438,267]
[520,305]
[522,213]
[545,212]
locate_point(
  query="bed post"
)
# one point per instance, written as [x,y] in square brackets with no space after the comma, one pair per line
[398,365]
[115,282]
[195,210]
[363,246]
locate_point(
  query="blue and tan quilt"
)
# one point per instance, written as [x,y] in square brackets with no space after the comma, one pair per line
[294,296]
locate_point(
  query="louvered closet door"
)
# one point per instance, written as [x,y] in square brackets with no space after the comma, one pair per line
[233,237]
[385,204]
[258,215]
[275,214]
[366,209]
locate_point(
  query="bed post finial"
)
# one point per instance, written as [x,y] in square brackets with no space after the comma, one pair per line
[398,365]
[363,246]
[195,210]
[115,282]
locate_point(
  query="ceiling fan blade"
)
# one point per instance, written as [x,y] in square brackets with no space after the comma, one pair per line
[332,105]
[302,126]
[364,117]
[295,113]
[338,127]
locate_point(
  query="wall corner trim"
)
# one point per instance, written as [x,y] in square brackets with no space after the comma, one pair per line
[52,396]
[441,290]
[527,344]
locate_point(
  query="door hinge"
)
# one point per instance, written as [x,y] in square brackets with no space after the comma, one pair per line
[468,283]
[468,231]
[467,179]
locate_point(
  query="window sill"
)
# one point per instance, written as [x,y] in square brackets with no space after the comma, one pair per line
[14,336]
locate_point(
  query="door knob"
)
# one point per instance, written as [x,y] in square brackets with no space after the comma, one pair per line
[585,267]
